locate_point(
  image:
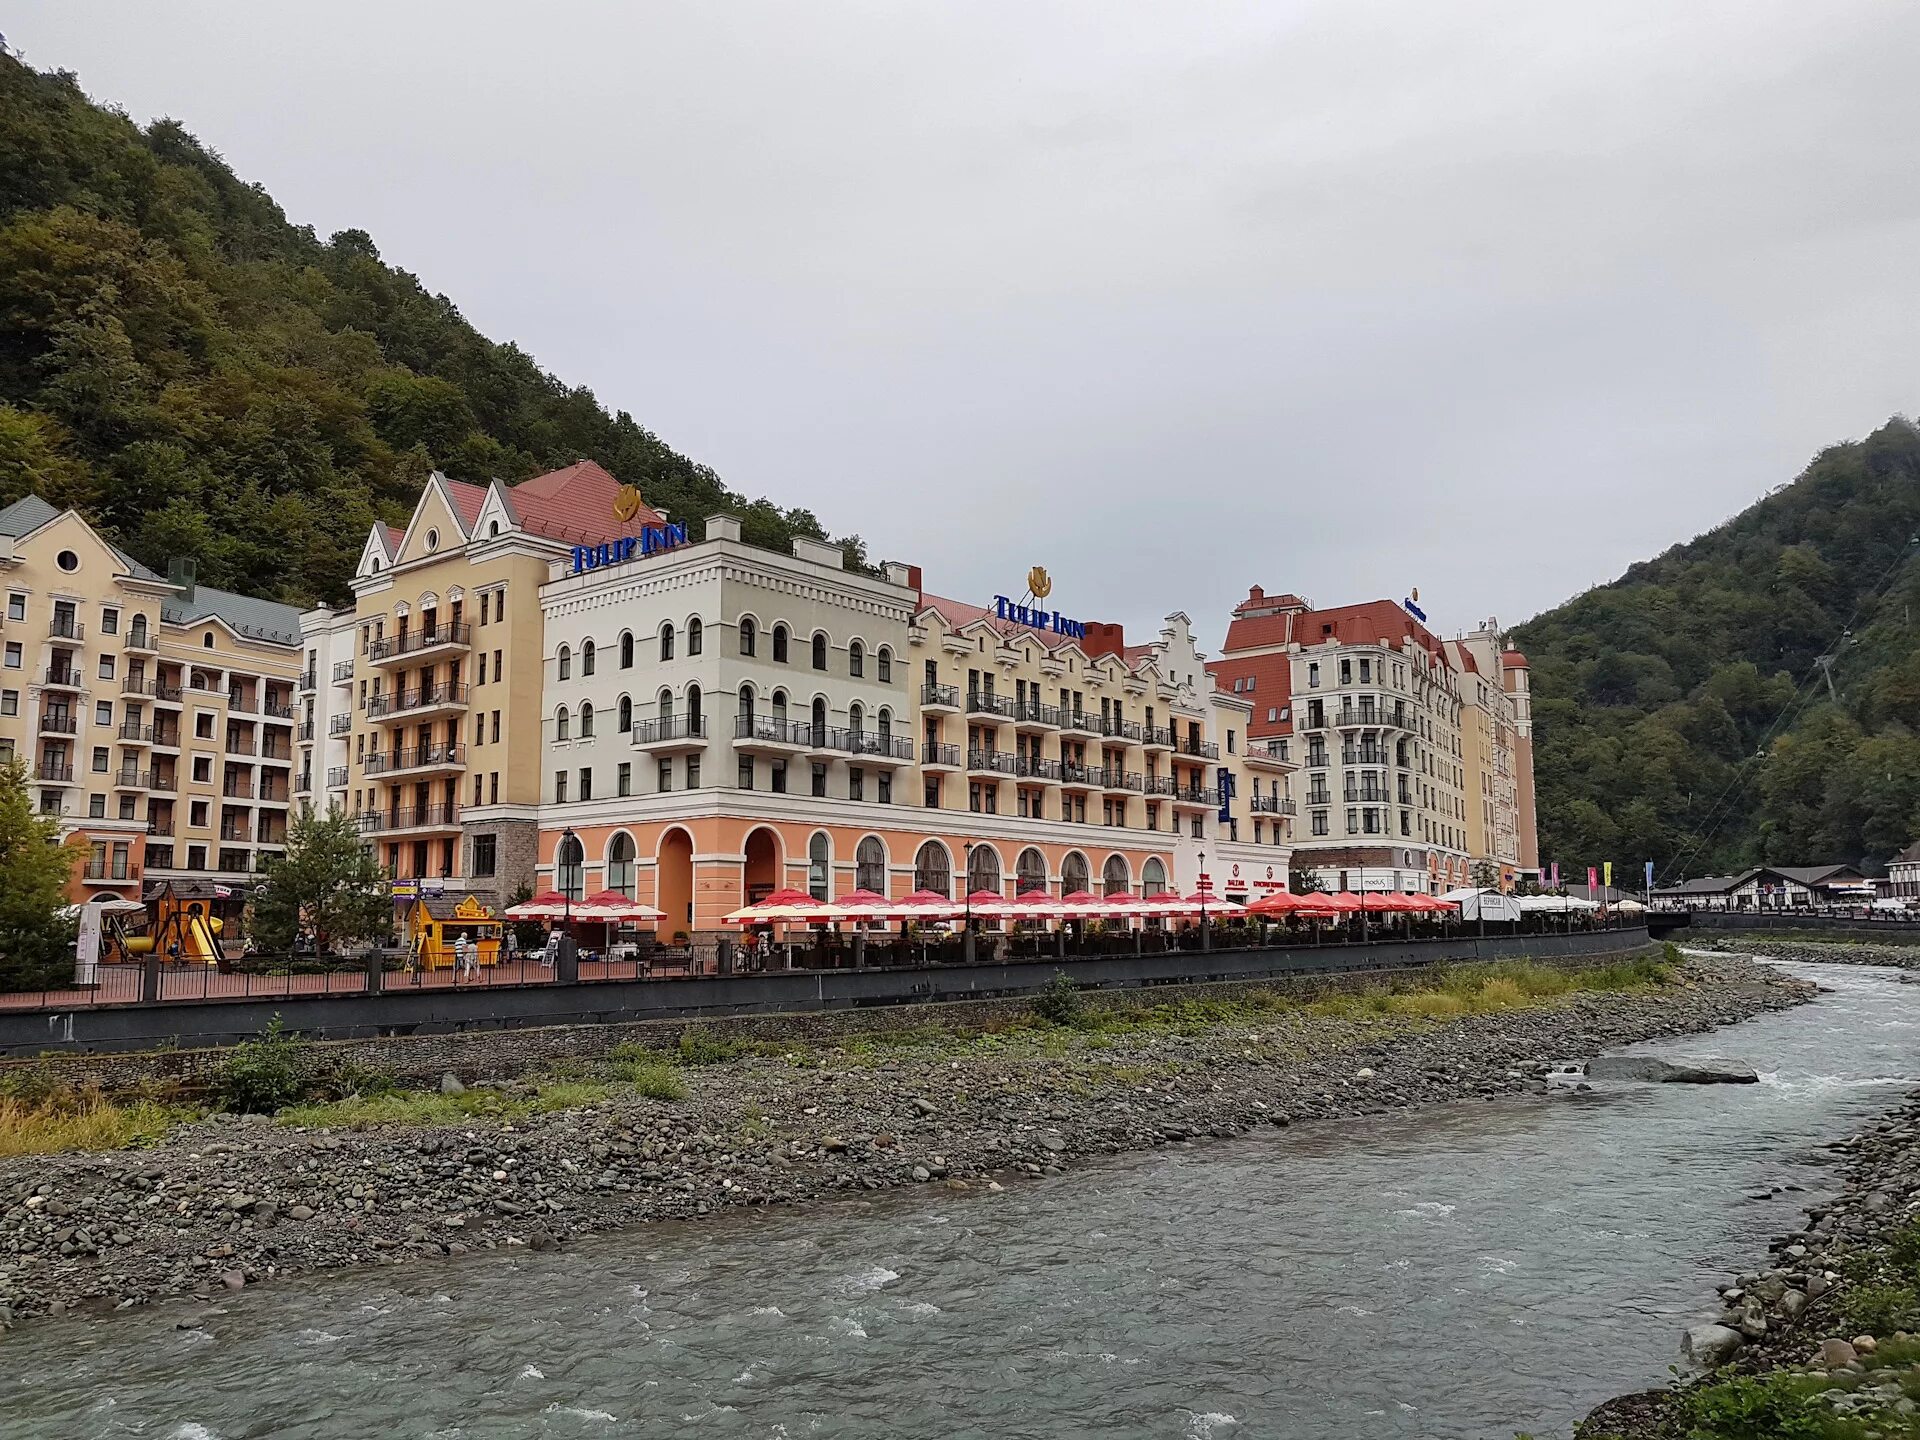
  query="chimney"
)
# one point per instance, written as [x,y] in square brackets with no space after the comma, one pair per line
[181,570]
[722,527]
[1104,638]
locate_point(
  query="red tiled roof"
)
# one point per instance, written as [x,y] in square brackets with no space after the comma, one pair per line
[575,505]
[1101,638]
[467,500]
[1462,656]
[1514,660]
[1272,677]
[395,534]
[1363,624]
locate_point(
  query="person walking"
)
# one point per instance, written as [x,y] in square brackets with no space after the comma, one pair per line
[463,962]
[550,955]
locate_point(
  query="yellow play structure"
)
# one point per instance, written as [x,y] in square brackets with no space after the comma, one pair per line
[434,923]
[180,927]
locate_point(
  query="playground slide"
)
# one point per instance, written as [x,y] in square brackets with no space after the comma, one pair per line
[197,945]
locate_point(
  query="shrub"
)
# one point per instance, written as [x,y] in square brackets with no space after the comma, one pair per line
[1781,1406]
[655,1079]
[262,1075]
[1060,1002]
[1881,1309]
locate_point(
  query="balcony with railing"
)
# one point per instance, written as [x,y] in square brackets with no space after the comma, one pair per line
[1079,722]
[1033,715]
[413,644]
[342,672]
[163,782]
[140,638]
[338,725]
[416,760]
[1157,737]
[771,734]
[134,733]
[425,699]
[274,790]
[674,732]
[162,828]
[1036,767]
[1161,785]
[980,702]
[277,712]
[59,722]
[1205,797]
[166,737]
[53,772]
[237,787]
[937,756]
[1199,749]
[417,818]
[1271,805]
[305,733]
[939,697]
[240,745]
[337,777]
[991,762]
[1076,775]
[1118,779]
[309,680]
[62,677]
[1115,728]
[132,778]
[109,872]
[876,745]
[66,627]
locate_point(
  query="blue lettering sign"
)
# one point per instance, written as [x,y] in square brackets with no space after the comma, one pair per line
[1036,618]
[1223,777]
[1414,610]
[614,552]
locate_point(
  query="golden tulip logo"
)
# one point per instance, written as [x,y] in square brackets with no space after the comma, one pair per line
[626,504]
[1039,584]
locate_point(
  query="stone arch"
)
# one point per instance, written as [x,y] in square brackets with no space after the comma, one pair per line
[933,869]
[673,879]
[983,868]
[1074,874]
[820,865]
[1116,876]
[1030,871]
[619,864]
[764,870]
[870,864]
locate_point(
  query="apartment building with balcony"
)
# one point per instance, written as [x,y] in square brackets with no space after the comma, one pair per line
[154,714]
[1367,702]
[722,721]
[1498,754]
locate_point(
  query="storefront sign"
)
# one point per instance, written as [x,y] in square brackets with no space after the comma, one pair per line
[1038,618]
[649,541]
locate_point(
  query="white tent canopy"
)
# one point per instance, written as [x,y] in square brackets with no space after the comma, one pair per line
[1484,904]
[1558,904]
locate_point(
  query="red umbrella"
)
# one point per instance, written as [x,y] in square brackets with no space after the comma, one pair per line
[550,905]
[1081,903]
[1317,904]
[1280,902]
[1346,902]
[613,906]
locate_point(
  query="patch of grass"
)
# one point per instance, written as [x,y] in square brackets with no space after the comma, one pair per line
[422,1108]
[81,1122]
[653,1078]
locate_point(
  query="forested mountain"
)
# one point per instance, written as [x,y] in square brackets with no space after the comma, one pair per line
[1684,699]
[202,377]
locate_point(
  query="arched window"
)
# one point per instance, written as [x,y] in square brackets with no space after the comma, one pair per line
[779,645]
[746,708]
[1073,873]
[1153,879]
[586,719]
[621,872]
[983,869]
[562,724]
[625,723]
[856,660]
[780,706]
[696,635]
[1030,871]
[819,738]
[885,722]
[932,870]
[819,867]
[856,715]
[693,709]
[626,650]
[666,710]
[883,666]
[666,640]
[870,865]
[570,868]
[1116,877]
[586,658]
[747,635]
[566,662]
[819,649]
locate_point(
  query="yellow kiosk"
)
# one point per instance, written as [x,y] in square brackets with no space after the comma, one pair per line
[435,922]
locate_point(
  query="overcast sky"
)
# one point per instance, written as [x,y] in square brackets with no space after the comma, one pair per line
[1485,298]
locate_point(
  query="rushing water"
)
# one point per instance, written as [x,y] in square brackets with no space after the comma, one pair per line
[1466,1271]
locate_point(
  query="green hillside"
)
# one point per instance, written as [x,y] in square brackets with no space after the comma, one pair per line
[203,377]
[1660,696]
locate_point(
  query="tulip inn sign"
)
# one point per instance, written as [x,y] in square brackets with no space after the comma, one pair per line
[649,541]
[1038,617]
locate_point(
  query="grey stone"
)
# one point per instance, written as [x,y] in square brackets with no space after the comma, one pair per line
[450,1084]
[1712,1345]
[1836,1353]
[1669,1072]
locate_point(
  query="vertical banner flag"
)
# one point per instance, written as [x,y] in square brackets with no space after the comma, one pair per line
[1555,883]
[1649,877]
[1606,873]
[1593,881]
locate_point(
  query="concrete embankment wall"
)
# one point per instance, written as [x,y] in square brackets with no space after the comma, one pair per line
[505,1031]
[1706,924]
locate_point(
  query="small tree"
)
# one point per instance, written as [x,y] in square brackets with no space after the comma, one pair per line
[1307,882]
[36,939]
[326,885]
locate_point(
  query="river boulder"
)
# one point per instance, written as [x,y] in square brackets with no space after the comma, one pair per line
[1712,1345]
[1669,1072]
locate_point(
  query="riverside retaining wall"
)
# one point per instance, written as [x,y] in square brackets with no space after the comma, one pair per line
[504,1030]
[1824,927]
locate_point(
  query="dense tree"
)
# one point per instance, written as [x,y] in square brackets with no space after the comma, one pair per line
[202,377]
[1680,714]
[36,939]
[325,887]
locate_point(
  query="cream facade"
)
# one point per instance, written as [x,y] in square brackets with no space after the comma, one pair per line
[1499,830]
[155,715]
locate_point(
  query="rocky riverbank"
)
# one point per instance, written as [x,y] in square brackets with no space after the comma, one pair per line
[1822,952]
[226,1201]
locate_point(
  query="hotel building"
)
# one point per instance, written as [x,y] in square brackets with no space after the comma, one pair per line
[1373,704]
[155,715]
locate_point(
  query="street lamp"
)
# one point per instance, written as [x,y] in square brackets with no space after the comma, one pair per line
[966,884]
[1202,887]
[567,843]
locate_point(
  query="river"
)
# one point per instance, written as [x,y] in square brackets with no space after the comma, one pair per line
[1469,1270]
